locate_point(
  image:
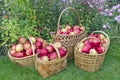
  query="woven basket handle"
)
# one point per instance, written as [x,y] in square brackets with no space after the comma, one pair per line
[56,50]
[103,34]
[69,8]
[32,46]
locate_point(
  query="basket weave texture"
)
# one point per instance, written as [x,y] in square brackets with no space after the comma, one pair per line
[25,61]
[49,68]
[69,41]
[87,62]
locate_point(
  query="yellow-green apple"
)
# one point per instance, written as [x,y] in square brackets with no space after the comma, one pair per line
[72,33]
[93,52]
[67,27]
[44,58]
[19,47]
[101,36]
[64,31]
[33,39]
[58,45]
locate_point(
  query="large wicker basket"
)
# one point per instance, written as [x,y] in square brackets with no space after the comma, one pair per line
[87,62]
[68,41]
[49,68]
[25,61]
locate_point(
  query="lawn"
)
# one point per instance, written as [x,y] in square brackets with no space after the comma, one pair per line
[109,71]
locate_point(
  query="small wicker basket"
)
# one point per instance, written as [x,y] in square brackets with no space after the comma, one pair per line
[68,41]
[49,68]
[87,62]
[25,61]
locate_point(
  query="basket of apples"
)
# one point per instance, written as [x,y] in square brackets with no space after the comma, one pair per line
[51,60]
[90,52]
[69,36]
[24,52]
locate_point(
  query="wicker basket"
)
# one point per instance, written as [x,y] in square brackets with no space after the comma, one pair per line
[68,41]
[25,61]
[49,68]
[87,62]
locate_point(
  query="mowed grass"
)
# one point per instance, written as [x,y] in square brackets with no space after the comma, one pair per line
[110,69]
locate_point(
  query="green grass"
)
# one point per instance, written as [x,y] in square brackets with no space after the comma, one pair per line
[110,70]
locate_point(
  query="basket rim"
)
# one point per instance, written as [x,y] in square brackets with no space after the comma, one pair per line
[19,58]
[72,35]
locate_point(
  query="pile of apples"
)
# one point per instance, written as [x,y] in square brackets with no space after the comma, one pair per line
[49,53]
[68,30]
[24,47]
[94,45]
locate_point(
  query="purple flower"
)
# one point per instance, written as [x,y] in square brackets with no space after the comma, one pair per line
[119,10]
[110,14]
[118,5]
[106,10]
[114,8]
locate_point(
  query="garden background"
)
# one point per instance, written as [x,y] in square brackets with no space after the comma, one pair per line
[22,18]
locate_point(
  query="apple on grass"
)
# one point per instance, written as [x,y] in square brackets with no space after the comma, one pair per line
[19,47]
[22,40]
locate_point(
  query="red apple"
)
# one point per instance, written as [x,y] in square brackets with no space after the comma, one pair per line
[33,39]
[43,52]
[24,52]
[101,36]
[14,46]
[57,44]
[29,52]
[77,31]
[39,45]
[85,49]
[44,58]
[95,42]
[69,30]
[94,35]
[19,55]
[53,56]
[19,47]
[37,51]
[100,49]
[22,40]
[50,48]
[39,39]
[76,27]
[62,52]
[27,45]
[82,28]
[13,53]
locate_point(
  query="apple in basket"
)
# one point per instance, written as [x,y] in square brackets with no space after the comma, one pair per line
[93,52]
[50,48]
[53,56]
[44,58]
[19,55]
[27,45]
[13,53]
[29,52]
[33,39]
[22,40]
[43,52]
[95,42]
[39,45]
[19,47]
[62,51]
[101,36]
[14,46]
[100,49]
[39,39]
[64,31]
[72,33]
[58,45]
